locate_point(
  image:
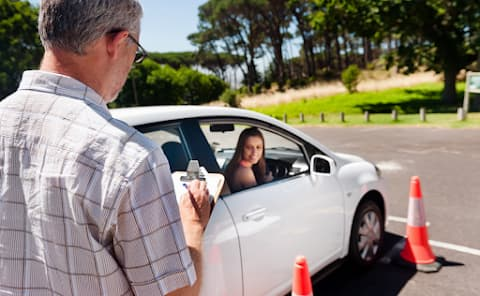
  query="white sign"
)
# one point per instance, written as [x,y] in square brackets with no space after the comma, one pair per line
[472,85]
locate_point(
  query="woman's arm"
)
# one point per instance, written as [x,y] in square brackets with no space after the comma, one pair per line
[245,177]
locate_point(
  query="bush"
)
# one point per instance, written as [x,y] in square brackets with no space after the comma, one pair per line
[297,83]
[326,74]
[229,96]
[199,88]
[351,78]
[257,88]
[153,84]
[267,83]
[150,84]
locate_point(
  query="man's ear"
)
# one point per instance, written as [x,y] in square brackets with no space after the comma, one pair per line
[114,43]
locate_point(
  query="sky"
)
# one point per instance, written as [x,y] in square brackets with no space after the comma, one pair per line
[166,24]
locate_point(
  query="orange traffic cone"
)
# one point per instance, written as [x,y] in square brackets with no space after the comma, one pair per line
[417,248]
[301,285]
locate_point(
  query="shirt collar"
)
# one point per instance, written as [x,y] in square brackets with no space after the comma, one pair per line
[59,84]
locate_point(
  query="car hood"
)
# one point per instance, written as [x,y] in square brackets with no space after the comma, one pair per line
[345,158]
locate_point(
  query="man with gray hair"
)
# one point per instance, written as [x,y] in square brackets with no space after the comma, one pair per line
[87,205]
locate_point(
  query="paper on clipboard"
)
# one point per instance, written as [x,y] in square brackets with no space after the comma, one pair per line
[214,183]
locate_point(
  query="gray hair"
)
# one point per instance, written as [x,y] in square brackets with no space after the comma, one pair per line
[74,24]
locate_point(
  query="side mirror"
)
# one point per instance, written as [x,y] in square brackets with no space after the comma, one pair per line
[322,165]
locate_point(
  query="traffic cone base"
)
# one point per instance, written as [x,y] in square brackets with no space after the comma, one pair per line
[301,283]
[427,268]
[417,248]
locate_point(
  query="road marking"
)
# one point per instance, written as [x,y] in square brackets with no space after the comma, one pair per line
[397,219]
[458,248]
[402,220]
[389,166]
[437,244]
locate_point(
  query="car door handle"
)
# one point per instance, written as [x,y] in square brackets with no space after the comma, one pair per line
[255,215]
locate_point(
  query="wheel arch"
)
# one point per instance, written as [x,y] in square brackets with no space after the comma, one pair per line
[377,198]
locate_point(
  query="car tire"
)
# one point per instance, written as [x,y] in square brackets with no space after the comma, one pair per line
[367,234]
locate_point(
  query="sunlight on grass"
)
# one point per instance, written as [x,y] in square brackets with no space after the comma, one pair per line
[406,101]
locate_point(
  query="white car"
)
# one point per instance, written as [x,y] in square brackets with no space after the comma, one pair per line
[324,205]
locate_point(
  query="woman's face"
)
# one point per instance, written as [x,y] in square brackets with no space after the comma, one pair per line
[253,149]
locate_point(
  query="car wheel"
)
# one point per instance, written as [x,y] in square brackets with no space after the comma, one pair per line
[366,238]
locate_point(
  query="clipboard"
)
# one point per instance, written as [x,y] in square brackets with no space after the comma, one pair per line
[214,181]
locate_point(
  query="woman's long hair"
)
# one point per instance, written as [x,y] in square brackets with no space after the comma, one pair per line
[260,168]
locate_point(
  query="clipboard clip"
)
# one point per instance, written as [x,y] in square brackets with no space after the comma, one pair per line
[193,172]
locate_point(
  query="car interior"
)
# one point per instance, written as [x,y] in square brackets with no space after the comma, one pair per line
[176,156]
[284,157]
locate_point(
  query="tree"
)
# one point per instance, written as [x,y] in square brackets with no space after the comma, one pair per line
[275,21]
[174,59]
[210,58]
[20,47]
[301,12]
[328,18]
[231,26]
[441,34]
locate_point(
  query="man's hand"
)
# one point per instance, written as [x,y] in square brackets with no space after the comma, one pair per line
[195,213]
[195,206]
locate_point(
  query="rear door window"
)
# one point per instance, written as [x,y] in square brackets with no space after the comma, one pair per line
[170,140]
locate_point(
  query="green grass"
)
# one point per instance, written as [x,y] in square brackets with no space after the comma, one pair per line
[407,102]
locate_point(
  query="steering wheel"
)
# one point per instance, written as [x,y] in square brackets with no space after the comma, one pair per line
[278,168]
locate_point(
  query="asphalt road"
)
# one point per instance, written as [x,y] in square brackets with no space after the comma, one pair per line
[448,164]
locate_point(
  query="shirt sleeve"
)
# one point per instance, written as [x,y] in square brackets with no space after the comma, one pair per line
[149,240]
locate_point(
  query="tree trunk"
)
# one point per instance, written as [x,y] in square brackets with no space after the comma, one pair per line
[328,51]
[313,62]
[449,95]
[277,51]
[346,49]
[308,53]
[220,65]
[366,51]
[339,53]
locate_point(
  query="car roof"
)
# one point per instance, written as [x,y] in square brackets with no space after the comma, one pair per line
[149,114]
[135,116]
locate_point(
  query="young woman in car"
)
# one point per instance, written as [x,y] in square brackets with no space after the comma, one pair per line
[248,166]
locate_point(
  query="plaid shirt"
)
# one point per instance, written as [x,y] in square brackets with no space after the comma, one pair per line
[86,202]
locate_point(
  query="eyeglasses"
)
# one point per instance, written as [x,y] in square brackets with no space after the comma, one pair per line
[141,53]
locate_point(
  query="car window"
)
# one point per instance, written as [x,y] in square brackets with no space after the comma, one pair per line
[168,137]
[284,157]
[222,143]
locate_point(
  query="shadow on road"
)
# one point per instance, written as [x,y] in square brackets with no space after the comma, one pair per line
[382,279]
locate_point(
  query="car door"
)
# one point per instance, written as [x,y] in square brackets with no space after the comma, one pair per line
[221,264]
[294,214]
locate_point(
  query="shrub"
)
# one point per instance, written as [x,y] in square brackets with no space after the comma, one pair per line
[351,78]
[257,88]
[229,96]
[199,88]
[267,83]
